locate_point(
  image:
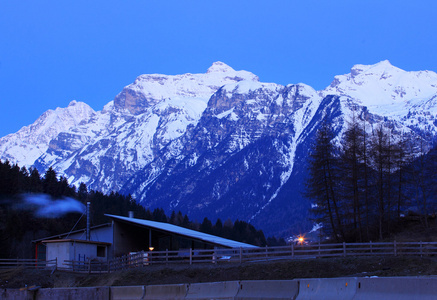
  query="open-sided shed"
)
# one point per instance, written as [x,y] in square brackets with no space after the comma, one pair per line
[125,235]
[132,234]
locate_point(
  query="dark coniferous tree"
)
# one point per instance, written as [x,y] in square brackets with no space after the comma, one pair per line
[352,184]
[321,187]
[401,159]
[172,219]
[50,183]
[422,169]
[6,179]
[206,226]
[159,215]
[34,182]
[82,192]
[366,171]
[218,228]
[185,222]
[379,157]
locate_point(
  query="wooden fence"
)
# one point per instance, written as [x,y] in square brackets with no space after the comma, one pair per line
[28,263]
[236,255]
[240,255]
[89,266]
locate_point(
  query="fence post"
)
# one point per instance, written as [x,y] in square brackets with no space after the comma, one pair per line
[56,265]
[89,266]
[319,249]
[241,255]
[371,250]
[344,248]
[394,245]
[166,256]
[421,250]
[191,256]
[143,255]
[267,255]
[292,250]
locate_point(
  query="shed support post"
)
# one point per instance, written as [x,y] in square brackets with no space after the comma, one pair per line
[150,238]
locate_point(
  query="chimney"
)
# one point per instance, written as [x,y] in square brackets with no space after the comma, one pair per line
[88,221]
[131,214]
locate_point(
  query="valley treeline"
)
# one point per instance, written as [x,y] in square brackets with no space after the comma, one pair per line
[25,215]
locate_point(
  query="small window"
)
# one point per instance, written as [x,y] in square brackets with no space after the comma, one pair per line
[101,251]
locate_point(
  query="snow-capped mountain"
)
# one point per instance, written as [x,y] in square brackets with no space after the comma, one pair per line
[219,144]
[30,142]
[391,92]
[126,135]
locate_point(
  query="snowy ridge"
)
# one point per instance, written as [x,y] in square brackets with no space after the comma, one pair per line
[178,90]
[30,142]
[391,92]
[385,89]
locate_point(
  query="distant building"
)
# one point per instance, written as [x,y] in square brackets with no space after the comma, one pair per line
[125,235]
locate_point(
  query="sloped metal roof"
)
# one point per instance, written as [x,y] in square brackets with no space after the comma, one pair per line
[66,234]
[76,241]
[183,232]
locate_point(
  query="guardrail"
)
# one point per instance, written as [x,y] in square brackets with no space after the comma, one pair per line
[345,288]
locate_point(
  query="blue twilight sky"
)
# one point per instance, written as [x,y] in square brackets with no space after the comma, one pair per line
[52,52]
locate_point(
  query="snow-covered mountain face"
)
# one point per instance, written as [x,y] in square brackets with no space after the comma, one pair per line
[30,142]
[145,116]
[407,97]
[219,144]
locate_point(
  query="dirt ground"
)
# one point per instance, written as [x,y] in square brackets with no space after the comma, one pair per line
[285,269]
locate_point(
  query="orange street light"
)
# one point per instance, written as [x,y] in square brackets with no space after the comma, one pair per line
[300,239]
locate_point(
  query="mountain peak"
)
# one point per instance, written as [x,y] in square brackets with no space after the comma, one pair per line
[385,62]
[379,68]
[72,103]
[219,66]
[383,84]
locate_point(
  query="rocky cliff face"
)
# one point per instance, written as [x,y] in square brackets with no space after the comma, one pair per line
[237,158]
[219,144]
